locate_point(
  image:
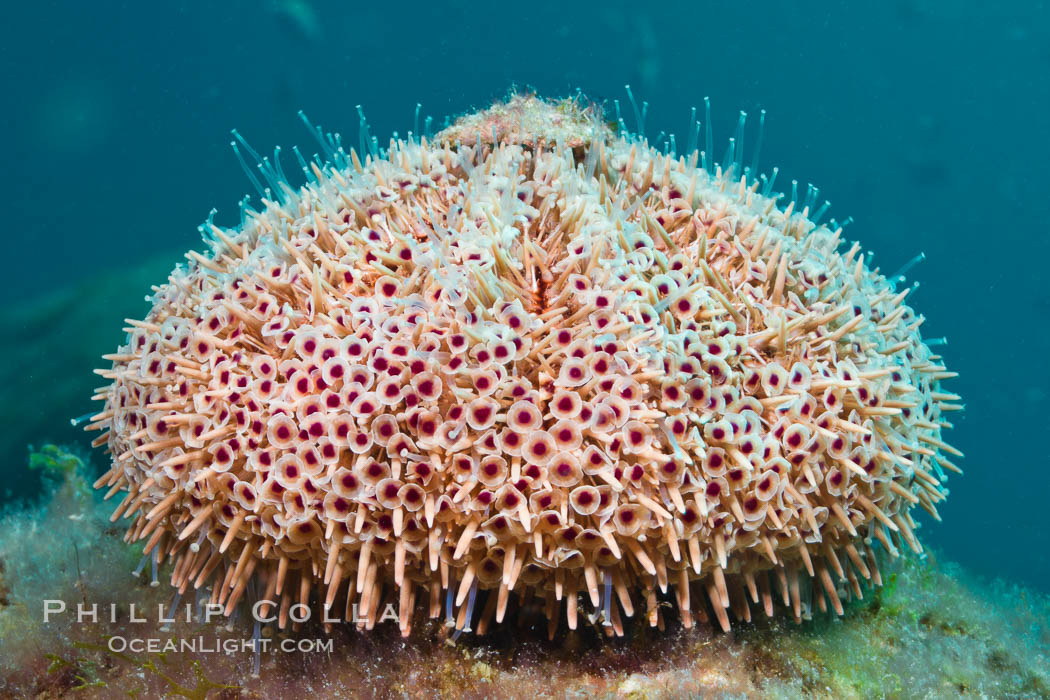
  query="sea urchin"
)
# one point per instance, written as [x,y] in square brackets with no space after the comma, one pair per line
[529,356]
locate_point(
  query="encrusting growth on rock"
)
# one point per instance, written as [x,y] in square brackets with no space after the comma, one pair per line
[496,369]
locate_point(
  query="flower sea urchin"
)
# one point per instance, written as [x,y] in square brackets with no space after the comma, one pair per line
[526,356]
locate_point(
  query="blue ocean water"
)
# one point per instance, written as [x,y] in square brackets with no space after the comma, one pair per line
[927,122]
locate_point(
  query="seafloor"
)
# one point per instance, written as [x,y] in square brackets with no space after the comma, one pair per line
[933,630]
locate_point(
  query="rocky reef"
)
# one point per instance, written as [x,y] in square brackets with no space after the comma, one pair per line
[933,630]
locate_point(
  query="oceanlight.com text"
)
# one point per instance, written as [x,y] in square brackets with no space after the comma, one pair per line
[214,645]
